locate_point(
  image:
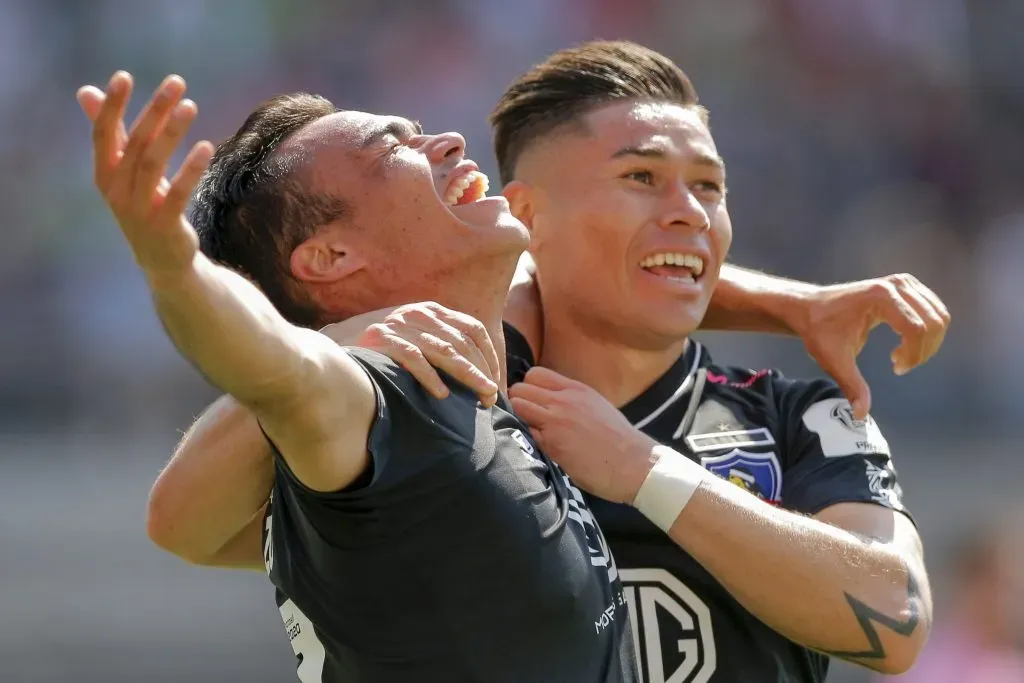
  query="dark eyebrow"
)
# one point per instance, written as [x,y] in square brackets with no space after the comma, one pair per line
[400,128]
[650,151]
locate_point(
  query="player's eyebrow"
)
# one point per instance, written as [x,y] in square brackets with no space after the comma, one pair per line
[400,128]
[650,150]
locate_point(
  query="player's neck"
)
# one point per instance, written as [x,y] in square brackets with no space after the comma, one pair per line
[618,371]
[482,295]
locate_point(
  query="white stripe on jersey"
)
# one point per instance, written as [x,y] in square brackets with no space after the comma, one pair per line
[680,392]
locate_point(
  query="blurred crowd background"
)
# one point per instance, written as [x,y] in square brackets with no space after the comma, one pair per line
[862,138]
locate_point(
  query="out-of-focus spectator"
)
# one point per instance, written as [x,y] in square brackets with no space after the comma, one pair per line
[979,637]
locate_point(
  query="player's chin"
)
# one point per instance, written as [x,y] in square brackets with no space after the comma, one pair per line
[491,217]
[674,321]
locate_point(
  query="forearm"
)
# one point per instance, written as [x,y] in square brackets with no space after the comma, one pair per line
[218,480]
[867,592]
[231,332]
[746,300]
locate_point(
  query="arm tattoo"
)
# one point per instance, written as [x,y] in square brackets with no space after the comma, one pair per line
[868,616]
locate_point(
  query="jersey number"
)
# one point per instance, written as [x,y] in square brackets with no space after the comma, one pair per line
[305,644]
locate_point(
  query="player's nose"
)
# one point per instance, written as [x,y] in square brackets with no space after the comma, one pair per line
[684,211]
[444,146]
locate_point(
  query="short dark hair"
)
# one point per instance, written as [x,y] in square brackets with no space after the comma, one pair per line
[572,82]
[251,209]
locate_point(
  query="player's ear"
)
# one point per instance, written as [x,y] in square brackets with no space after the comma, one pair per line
[521,198]
[325,257]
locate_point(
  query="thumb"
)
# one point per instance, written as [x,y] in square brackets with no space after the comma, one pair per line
[855,388]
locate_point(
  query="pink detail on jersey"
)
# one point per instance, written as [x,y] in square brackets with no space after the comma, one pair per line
[722,379]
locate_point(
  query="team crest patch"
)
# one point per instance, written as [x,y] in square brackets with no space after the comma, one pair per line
[757,473]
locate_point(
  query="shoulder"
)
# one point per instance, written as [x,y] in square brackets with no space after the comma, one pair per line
[394,385]
[818,408]
[407,410]
[798,410]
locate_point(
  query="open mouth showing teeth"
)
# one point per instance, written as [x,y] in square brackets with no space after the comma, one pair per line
[467,189]
[674,266]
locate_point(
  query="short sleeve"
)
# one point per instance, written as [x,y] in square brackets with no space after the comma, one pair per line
[518,355]
[411,432]
[831,457]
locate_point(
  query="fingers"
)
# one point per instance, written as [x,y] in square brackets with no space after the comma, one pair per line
[534,394]
[894,310]
[533,414]
[154,157]
[548,379]
[937,304]
[419,351]
[453,343]
[409,356]
[108,127]
[475,331]
[937,318]
[922,332]
[456,343]
[150,123]
[856,389]
[454,360]
[184,182]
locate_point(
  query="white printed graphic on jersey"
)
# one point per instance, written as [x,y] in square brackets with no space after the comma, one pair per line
[268,545]
[672,632]
[600,554]
[305,643]
[880,493]
[736,438]
[579,513]
[840,433]
[524,444]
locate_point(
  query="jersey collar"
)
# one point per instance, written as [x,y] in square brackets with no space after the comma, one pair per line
[669,389]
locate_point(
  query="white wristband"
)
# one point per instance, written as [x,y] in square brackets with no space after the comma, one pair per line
[668,487]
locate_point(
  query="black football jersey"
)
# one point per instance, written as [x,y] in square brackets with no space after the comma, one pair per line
[792,443]
[462,555]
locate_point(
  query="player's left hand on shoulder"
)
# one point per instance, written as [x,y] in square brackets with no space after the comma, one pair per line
[584,433]
[423,336]
[838,319]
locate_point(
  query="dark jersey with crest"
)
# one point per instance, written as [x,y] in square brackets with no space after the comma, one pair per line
[792,443]
[463,555]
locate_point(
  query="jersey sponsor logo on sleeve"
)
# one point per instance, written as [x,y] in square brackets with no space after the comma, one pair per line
[840,433]
[671,625]
[738,438]
[756,473]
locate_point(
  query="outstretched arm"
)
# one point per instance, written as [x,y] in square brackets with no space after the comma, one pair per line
[311,398]
[207,505]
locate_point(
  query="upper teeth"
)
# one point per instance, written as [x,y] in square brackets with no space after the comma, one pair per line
[694,263]
[459,186]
